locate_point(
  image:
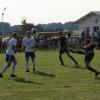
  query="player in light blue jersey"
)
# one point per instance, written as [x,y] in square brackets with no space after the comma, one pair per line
[10,55]
[28,45]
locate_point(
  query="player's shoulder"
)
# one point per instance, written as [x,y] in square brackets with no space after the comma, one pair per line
[13,39]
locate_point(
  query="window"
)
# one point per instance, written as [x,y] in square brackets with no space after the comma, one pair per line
[95,28]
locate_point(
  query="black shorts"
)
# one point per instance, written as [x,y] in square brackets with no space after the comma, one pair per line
[89,57]
[63,50]
[30,54]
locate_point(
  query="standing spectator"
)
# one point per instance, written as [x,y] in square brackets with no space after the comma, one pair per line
[83,35]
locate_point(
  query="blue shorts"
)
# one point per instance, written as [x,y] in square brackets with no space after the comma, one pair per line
[30,54]
[10,58]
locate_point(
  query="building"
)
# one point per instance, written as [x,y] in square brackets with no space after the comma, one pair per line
[89,23]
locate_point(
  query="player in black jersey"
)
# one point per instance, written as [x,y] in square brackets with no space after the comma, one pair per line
[89,54]
[63,48]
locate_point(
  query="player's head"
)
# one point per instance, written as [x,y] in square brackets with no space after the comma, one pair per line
[28,34]
[87,40]
[14,35]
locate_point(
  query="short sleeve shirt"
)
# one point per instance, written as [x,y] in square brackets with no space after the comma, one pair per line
[12,42]
[29,43]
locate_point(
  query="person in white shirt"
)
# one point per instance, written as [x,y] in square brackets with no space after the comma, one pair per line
[28,45]
[10,55]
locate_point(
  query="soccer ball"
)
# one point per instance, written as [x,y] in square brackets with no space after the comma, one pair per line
[33,30]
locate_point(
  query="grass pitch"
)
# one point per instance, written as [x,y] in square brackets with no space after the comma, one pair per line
[51,81]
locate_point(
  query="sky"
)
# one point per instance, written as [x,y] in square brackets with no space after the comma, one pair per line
[46,11]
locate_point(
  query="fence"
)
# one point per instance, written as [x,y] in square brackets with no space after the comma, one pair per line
[52,44]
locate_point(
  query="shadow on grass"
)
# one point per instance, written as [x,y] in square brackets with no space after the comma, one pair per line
[22,80]
[74,67]
[43,74]
[98,78]
[67,86]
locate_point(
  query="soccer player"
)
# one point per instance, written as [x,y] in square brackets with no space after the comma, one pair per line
[28,45]
[89,54]
[63,48]
[10,56]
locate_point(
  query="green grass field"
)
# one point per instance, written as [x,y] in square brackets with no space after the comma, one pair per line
[51,81]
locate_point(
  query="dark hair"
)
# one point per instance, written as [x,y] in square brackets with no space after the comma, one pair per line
[88,40]
[14,34]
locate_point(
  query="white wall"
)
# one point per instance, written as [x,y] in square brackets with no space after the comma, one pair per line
[90,22]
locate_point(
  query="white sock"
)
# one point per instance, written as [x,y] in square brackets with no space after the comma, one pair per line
[26,66]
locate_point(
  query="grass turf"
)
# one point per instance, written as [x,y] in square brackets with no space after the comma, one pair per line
[51,81]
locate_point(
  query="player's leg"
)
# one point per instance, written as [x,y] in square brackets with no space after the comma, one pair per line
[60,57]
[8,60]
[88,59]
[14,66]
[27,55]
[72,58]
[33,60]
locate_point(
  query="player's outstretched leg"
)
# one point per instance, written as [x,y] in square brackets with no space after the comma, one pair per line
[92,69]
[72,59]
[88,59]
[13,69]
[4,69]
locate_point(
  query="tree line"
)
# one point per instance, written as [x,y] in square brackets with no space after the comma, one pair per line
[50,27]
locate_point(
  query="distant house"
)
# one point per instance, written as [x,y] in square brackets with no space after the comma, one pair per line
[90,22]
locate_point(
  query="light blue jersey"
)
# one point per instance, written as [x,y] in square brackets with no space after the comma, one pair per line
[29,43]
[12,42]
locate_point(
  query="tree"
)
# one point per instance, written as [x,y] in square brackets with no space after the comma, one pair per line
[26,26]
[39,27]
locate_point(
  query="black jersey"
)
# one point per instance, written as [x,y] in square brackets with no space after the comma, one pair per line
[89,48]
[63,42]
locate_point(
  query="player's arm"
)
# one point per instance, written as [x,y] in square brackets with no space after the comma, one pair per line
[87,45]
[58,43]
[34,43]
[23,46]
